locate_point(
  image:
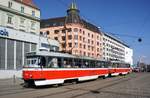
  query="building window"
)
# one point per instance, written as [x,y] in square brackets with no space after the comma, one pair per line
[9,4]
[97,37]
[92,48]
[80,38]
[56,38]
[88,54]
[75,29]
[47,32]
[63,31]
[63,38]
[9,21]
[22,22]
[10,54]
[92,54]
[83,39]
[76,45]
[84,46]
[97,43]
[22,9]
[97,49]
[56,31]
[83,33]
[89,41]
[63,45]
[2,53]
[33,25]
[92,35]
[33,47]
[84,53]
[69,36]
[80,30]
[80,52]
[88,34]
[103,53]
[80,45]
[76,37]
[69,30]
[92,42]
[33,13]
[97,54]
[70,44]
[100,39]
[88,47]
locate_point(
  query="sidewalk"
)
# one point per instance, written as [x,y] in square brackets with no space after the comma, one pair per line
[10,82]
[7,74]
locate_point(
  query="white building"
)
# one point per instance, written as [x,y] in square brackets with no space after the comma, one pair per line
[116,50]
[129,55]
[113,49]
[19,33]
[21,15]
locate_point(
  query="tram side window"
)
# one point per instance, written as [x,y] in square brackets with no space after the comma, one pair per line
[103,65]
[43,62]
[53,63]
[67,64]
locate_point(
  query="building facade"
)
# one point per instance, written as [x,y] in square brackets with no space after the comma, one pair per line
[116,50]
[21,15]
[19,21]
[129,55]
[19,34]
[76,35]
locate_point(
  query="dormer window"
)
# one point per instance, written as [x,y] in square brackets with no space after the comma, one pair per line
[33,13]
[32,25]
[22,22]
[9,4]
[22,9]
[9,20]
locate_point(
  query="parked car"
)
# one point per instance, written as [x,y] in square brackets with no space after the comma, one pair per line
[136,69]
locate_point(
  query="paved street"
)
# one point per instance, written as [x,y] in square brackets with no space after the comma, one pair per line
[135,85]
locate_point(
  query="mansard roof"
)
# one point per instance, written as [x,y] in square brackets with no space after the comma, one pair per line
[60,21]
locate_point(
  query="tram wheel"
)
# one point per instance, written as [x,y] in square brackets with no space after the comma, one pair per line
[74,82]
[104,77]
[55,85]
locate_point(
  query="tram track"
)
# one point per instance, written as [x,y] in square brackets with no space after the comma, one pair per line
[16,91]
[108,84]
[100,90]
[68,89]
[126,94]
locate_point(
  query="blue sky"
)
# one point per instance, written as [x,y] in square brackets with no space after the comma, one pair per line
[128,19]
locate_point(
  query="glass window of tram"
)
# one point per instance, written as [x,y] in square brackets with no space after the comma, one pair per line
[52,63]
[32,62]
[42,62]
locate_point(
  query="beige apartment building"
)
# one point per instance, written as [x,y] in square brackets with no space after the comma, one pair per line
[76,36]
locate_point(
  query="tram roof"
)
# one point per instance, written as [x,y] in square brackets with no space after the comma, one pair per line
[59,54]
[51,54]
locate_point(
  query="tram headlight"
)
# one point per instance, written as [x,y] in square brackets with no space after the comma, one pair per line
[30,75]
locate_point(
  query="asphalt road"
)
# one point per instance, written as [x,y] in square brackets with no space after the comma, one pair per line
[135,85]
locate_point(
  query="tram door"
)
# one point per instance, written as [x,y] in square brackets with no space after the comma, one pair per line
[42,63]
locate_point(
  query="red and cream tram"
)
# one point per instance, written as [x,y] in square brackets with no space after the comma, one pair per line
[47,68]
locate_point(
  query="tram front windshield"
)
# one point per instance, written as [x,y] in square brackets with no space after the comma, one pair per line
[33,62]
